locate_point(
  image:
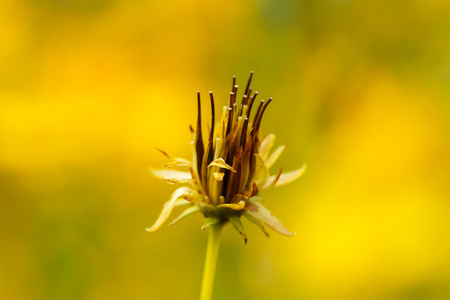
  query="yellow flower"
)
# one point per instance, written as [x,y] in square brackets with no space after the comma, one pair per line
[227,172]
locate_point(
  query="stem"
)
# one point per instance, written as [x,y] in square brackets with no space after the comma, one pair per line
[210,261]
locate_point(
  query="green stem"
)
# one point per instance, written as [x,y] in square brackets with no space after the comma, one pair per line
[210,261]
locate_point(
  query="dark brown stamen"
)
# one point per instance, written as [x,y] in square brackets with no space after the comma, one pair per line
[258,121]
[249,94]
[258,111]
[234,178]
[199,147]
[250,103]
[213,124]
[234,83]
[248,83]
[230,120]
[244,134]
[234,95]
[244,99]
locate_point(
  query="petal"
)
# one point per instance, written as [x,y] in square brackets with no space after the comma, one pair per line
[266,145]
[193,197]
[274,156]
[286,178]
[234,206]
[221,163]
[175,180]
[257,222]
[261,172]
[168,206]
[189,211]
[261,213]
[172,176]
[178,162]
[181,202]
[237,224]
[272,181]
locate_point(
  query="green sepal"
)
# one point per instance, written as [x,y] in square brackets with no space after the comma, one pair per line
[210,221]
[189,211]
[237,224]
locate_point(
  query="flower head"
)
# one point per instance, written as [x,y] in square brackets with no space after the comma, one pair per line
[229,170]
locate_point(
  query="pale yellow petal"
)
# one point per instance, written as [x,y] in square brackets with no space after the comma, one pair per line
[266,145]
[178,162]
[288,177]
[261,172]
[175,180]
[168,206]
[274,156]
[172,176]
[272,181]
[258,211]
[257,222]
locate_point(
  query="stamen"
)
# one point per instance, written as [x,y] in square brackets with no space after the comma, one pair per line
[213,124]
[258,111]
[234,94]
[249,94]
[250,104]
[200,149]
[234,83]
[248,83]
[230,120]
[261,114]
[244,133]
[244,99]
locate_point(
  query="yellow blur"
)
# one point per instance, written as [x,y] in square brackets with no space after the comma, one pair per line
[88,89]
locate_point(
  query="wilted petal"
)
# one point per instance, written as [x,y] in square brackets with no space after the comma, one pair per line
[234,206]
[257,222]
[193,197]
[274,156]
[272,181]
[189,211]
[168,206]
[172,176]
[261,172]
[175,180]
[261,213]
[237,224]
[221,163]
[178,162]
[288,177]
[266,145]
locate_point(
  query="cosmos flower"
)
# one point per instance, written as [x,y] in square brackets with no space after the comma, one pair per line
[229,168]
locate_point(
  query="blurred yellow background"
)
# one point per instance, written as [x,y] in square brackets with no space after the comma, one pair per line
[361,92]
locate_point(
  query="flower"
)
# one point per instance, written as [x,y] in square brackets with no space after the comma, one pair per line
[227,172]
